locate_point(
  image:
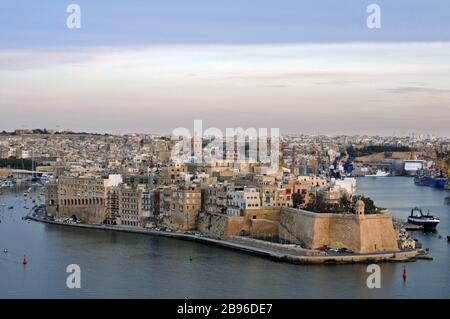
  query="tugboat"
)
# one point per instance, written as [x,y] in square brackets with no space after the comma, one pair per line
[424,178]
[428,222]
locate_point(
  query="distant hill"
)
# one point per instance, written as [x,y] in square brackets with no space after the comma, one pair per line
[373,149]
[377,157]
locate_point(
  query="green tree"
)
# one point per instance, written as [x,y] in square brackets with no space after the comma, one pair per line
[297,199]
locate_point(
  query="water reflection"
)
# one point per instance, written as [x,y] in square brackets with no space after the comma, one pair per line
[138,266]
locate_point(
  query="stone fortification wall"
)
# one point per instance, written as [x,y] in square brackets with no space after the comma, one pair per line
[360,233]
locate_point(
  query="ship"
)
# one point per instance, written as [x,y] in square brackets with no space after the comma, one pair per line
[424,178]
[417,217]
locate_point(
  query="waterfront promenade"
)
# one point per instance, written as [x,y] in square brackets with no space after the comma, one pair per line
[276,252]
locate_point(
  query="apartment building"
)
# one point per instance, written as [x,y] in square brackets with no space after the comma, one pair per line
[173,173]
[313,181]
[130,206]
[214,199]
[242,198]
[112,205]
[180,206]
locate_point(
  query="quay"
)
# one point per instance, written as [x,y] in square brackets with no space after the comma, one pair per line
[412,227]
[272,251]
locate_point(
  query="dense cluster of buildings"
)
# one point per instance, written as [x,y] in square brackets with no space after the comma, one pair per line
[133,181]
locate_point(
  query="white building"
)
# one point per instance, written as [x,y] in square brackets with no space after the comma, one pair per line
[348,184]
[239,200]
[412,166]
[114,180]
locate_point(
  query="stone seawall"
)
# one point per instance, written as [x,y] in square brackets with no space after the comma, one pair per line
[220,225]
[94,214]
[253,222]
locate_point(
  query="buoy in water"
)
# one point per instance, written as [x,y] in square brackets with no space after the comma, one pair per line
[24,260]
[404,273]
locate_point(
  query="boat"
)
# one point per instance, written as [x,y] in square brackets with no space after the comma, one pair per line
[424,178]
[417,217]
[7,183]
[379,173]
[430,181]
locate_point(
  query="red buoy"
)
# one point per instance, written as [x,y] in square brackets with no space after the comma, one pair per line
[404,273]
[25,260]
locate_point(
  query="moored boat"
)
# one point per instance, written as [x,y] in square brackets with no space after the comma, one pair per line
[417,217]
[425,178]
[379,173]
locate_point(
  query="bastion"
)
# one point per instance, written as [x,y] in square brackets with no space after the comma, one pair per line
[358,232]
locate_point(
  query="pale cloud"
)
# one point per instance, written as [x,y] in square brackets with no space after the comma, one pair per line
[417,89]
[330,88]
[25,60]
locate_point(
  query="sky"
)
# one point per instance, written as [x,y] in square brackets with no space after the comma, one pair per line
[153,66]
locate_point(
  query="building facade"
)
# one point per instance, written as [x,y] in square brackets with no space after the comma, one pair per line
[83,197]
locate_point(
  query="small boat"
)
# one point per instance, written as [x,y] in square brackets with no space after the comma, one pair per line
[379,173]
[10,207]
[428,222]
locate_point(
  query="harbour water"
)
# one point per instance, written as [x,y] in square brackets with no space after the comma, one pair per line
[124,265]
